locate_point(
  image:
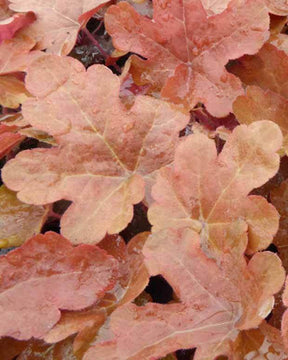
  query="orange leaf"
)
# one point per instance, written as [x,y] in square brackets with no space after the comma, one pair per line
[209,193]
[105,151]
[16,54]
[21,220]
[38,350]
[255,344]
[216,300]
[12,91]
[58,22]
[132,279]
[267,95]
[187,51]
[277,7]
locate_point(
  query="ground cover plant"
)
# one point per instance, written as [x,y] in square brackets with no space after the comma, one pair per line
[144,180]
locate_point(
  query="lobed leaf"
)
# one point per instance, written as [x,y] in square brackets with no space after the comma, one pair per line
[58,22]
[277,7]
[266,94]
[47,274]
[209,193]
[216,301]
[132,278]
[187,51]
[16,54]
[105,151]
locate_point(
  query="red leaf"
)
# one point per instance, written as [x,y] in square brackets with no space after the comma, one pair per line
[8,139]
[10,26]
[133,277]
[47,274]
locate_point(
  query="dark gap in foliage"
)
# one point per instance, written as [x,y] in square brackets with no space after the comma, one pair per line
[231,64]
[59,207]
[88,55]
[6,251]
[160,290]
[94,45]
[269,316]
[185,354]
[28,143]
[122,60]
[93,24]
[138,224]
[273,248]
[2,163]
[51,224]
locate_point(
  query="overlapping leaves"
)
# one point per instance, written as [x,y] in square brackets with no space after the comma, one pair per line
[101,145]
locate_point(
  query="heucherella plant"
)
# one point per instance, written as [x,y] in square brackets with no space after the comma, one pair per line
[144,171]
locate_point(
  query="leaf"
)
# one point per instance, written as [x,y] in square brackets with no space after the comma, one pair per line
[263,69]
[129,90]
[266,96]
[9,348]
[15,54]
[277,7]
[12,91]
[47,274]
[72,322]
[279,198]
[105,151]
[280,41]
[255,344]
[132,278]
[58,22]
[9,26]
[8,139]
[5,12]
[209,193]
[38,350]
[18,221]
[216,300]
[258,104]
[187,51]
